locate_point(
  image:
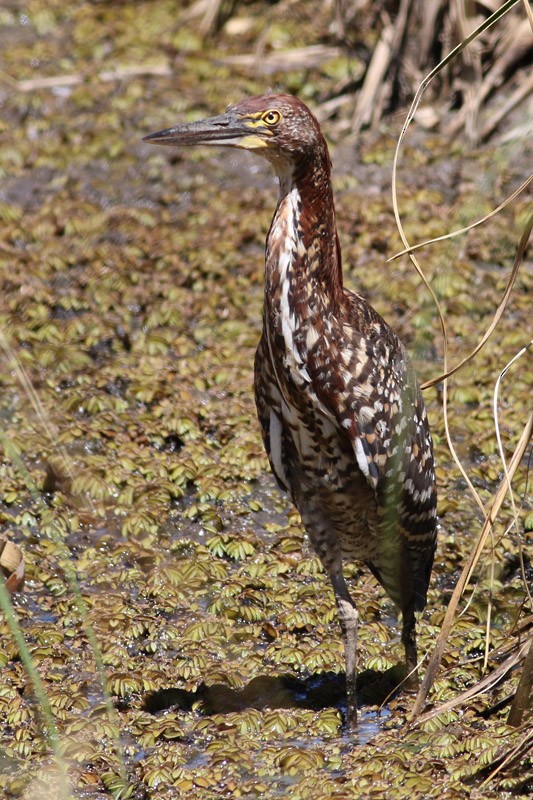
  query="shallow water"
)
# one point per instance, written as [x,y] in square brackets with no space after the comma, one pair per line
[131,294]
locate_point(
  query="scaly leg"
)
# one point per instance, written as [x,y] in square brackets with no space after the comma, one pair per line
[348,618]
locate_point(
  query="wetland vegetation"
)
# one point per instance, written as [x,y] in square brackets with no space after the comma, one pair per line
[180,627]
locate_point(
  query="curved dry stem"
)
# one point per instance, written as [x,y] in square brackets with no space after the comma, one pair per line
[485,25]
[522,696]
[522,245]
[468,569]
[504,462]
[410,115]
[486,683]
[529,12]
[472,225]
[521,749]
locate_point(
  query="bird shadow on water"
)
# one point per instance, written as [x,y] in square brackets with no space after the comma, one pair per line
[286,691]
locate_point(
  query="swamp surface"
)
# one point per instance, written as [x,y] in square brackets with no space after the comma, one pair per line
[184,632]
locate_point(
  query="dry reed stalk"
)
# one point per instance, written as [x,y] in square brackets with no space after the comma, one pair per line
[469,567]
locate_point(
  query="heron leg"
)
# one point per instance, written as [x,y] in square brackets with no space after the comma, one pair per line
[348,617]
[409,643]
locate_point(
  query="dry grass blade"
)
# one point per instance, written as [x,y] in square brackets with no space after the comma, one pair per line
[509,51]
[210,16]
[485,25]
[522,698]
[522,245]
[471,82]
[379,63]
[521,248]
[483,685]
[529,13]
[472,225]
[414,105]
[432,9]
[502,456]
[298,57]
[468,569]
[75,79]
[375,92]
[516,754]
[40,411]
[208,11]
[519,94]
[411,35]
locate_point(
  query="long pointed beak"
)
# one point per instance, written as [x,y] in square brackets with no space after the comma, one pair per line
[222,130]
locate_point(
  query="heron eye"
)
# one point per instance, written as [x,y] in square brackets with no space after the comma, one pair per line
[271,117]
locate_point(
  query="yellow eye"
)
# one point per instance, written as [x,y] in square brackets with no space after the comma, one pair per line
[271,117]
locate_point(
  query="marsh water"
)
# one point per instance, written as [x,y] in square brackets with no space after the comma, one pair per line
[183,630]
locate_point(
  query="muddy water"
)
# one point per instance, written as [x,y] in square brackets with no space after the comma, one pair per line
[131,295]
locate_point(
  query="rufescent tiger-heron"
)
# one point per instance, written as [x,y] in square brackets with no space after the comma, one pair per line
[342,417]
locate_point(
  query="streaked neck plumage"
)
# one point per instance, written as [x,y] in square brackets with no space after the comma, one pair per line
[303,260]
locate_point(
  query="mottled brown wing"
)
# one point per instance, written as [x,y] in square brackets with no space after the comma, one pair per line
[377,404]
[364,383]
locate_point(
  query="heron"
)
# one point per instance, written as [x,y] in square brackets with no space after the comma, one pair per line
[341,414]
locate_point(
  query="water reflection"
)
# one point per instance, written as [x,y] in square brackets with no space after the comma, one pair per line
[317,692]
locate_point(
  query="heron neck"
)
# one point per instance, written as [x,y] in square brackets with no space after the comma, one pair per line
[302,244]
